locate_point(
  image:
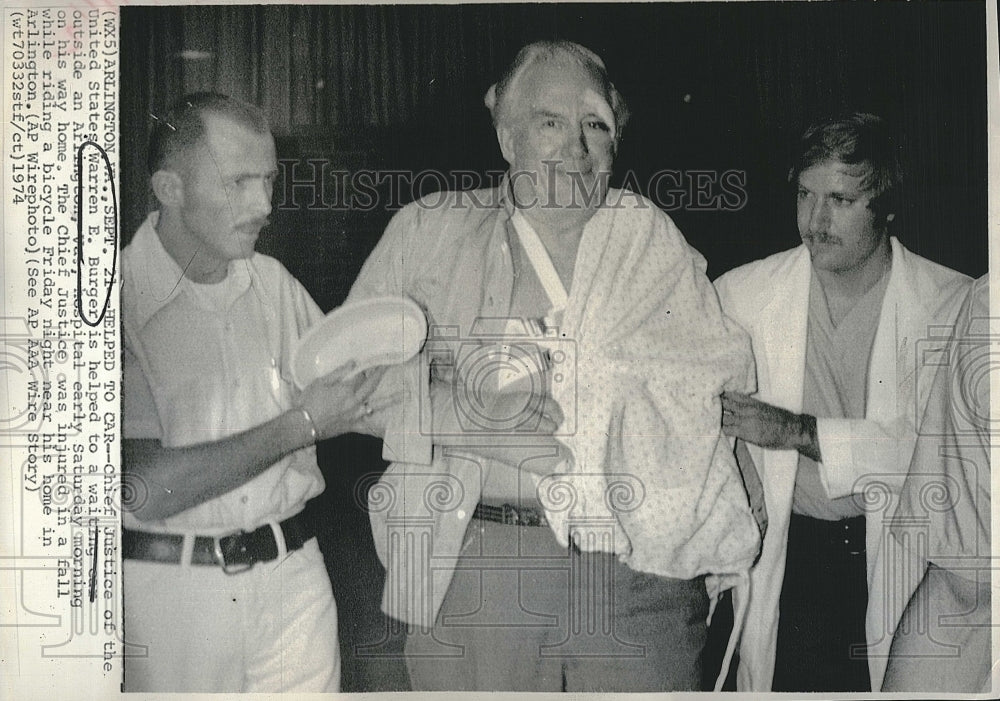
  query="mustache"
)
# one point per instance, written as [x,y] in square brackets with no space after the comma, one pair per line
[821,238]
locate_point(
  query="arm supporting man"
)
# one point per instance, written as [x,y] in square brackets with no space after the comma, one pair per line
[769,426]
[844,448]
[183,477]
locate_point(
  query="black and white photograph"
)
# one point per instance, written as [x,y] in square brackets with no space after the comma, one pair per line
[554,347]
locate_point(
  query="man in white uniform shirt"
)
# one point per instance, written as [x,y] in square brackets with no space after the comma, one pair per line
[224,584]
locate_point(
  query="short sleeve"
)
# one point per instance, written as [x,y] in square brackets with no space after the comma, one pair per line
[307,312]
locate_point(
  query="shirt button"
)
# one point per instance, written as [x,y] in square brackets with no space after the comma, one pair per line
[460,513]
[245,499]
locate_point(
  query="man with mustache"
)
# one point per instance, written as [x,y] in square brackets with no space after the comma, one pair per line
[835,325]
[579,505]
[224,583]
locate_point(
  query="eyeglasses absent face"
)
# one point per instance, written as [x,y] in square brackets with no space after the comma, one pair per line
[835,218]
[559,139]
[228,183]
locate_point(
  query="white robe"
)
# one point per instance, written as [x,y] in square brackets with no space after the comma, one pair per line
[647,353]
[867,457]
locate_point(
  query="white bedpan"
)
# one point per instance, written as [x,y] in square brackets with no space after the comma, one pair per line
[377,331]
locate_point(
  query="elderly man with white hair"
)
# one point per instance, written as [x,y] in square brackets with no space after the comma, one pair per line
[569,506]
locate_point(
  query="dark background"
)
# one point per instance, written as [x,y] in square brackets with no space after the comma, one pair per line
[712,87]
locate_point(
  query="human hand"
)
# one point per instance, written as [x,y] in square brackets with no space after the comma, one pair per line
[519,411]
[520,408]
[767,425]
[337,404]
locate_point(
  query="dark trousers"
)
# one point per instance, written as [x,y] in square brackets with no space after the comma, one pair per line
[371,644]
[821,625]
[526,614]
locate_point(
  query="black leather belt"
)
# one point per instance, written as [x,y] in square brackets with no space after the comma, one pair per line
[236,552]
[511,515]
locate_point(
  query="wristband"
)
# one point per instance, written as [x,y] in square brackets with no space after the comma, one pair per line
[808,438]
[312,424]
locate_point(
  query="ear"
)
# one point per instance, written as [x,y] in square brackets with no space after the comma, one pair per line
[168,188]
[506,140]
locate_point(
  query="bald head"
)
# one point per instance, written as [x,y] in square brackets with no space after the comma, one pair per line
[177,133]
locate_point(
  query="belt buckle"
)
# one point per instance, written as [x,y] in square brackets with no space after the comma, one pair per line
[220,557]
[510,515]
[522,516]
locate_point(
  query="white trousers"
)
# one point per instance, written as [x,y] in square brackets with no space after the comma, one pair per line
[272,628]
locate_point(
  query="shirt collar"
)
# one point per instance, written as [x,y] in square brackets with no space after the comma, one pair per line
[159,279]
[506,198]
[506,202]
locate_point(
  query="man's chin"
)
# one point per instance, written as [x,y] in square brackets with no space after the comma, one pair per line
[827,261]
[247,240]
[577,193]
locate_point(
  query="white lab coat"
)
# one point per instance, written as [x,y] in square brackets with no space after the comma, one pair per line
[869,457]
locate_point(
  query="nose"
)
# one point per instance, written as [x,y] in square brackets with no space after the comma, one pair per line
[577,146]
[259,198]
[819,216]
